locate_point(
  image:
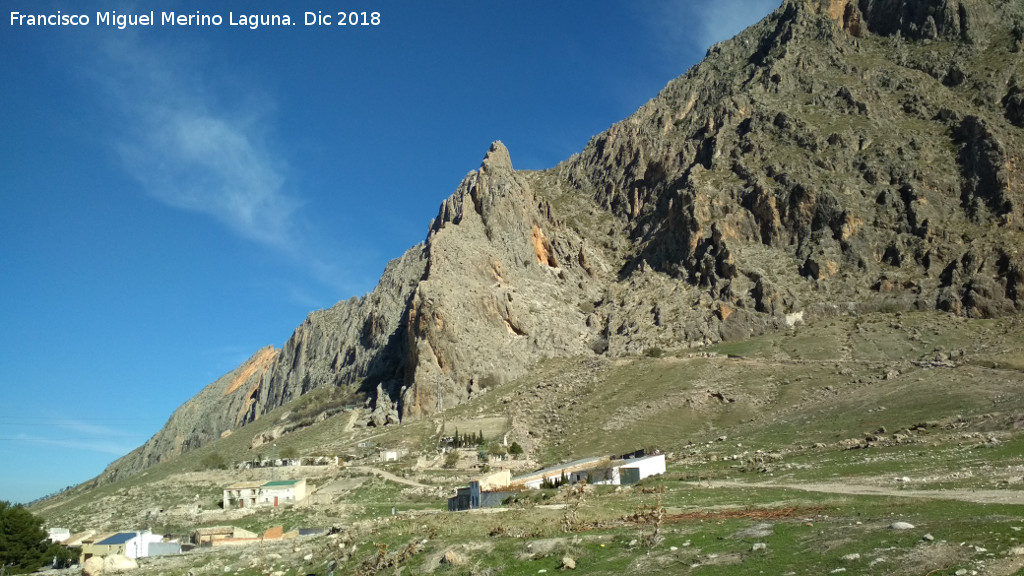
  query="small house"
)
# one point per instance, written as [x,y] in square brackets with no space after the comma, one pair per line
[130,544]
[58,535]
[282,492]
[105,545]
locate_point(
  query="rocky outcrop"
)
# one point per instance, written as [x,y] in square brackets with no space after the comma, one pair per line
[357,344]
[839,156]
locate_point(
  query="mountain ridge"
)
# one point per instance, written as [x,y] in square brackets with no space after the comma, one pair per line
[837,157]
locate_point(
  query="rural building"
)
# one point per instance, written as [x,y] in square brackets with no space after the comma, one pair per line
[633,471]
[222,535]
[105,545]
[392,455]
[242,495]
[534,480]
[616,472]
[252,494]
[495,480]
[58,535]
[278,533]
[483,492]
[472,497]
[78,540]
[130,544]
[282,492]
[163,548]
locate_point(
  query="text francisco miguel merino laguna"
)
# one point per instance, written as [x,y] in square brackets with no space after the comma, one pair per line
[122,21]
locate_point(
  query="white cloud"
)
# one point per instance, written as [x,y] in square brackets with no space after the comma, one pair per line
[76,435]
[685,24]
[87,444]
[194,145]
[197,161]
[89,429]
[724,19]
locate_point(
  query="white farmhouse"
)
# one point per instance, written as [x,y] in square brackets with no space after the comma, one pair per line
[282,492]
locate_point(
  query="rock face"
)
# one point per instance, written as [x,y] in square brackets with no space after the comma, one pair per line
[839,156]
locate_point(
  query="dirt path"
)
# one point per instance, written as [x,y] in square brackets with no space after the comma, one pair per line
[389,476]
[966,495]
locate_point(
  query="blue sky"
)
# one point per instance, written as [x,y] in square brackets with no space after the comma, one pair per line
[175,198]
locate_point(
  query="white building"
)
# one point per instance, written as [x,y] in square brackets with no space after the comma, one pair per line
[618,472]
[138,547]
[58,535]
[282,492]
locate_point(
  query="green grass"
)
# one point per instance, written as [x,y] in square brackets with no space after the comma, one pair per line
[793,395]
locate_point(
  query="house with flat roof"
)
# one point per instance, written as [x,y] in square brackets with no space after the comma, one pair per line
[621,472]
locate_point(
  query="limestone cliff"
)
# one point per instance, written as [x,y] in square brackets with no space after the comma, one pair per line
[839,156]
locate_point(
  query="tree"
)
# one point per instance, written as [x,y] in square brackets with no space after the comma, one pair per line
[24,547]
[289,453]
[515,450]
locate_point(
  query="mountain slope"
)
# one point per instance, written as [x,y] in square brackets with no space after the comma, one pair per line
[838,157]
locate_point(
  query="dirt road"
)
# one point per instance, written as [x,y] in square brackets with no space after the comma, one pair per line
[388,476]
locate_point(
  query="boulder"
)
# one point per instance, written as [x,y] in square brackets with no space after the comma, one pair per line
[93,566]
[116,563]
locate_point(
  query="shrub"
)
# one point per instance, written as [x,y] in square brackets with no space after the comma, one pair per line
[451,459]
[214,461]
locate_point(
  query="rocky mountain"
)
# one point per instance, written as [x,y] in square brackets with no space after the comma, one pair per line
[838,157]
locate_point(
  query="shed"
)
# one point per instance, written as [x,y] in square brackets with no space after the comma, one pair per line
[633,471]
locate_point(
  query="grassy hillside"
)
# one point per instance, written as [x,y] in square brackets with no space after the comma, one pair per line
[811,442]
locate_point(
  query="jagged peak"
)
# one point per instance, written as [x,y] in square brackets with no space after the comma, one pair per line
[497,157]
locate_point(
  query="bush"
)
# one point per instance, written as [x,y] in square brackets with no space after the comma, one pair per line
[214,461]
[654,352]
[515,450]
[451,459]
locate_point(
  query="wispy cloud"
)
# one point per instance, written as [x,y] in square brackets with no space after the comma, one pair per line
[684,24]
[89,444]
[90,429]
[199,143]
[192,154]
[195,160]
[73,434]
